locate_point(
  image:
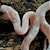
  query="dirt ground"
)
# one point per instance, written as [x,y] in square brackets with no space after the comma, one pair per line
[9,40]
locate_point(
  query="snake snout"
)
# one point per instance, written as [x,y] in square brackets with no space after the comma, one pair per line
[4,8]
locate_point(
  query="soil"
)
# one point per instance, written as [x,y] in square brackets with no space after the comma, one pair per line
[9,40]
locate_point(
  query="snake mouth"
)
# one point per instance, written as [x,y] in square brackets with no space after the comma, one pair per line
[6,14]
[3,13]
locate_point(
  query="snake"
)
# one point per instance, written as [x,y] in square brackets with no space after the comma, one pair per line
[44,25]
[37,21]
[14,17]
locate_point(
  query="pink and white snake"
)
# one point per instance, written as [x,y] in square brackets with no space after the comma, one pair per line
[37,21]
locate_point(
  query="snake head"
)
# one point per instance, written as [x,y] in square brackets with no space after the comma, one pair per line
[9,12]
[6,9]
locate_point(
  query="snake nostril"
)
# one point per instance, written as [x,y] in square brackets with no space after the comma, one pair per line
[47,16]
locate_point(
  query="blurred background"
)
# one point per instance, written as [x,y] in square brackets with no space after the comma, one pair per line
[8,37]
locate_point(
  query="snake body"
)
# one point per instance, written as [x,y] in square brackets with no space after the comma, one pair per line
[37,21]
[44,26]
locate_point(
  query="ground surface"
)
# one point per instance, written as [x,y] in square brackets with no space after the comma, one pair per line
[8,38]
